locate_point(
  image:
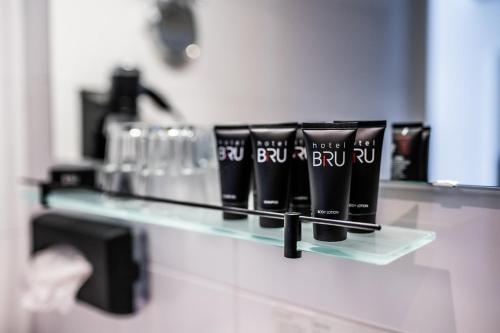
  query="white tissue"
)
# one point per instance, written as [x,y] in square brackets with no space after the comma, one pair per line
[53,278]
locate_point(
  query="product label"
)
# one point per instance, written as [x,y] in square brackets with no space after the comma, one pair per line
[271,151]
[271,202]
[328,154]
[364,151]
[324,212]
[399,166]
[300,151]
[359,205]
[231,150]
[402,156]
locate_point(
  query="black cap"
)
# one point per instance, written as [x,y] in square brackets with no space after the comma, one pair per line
[371,218]
[269,222]
[326,233]
[233,216]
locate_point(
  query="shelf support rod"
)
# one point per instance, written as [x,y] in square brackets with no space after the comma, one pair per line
[293,234]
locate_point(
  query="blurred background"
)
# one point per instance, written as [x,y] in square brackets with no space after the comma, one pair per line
[226,61]
[435,62]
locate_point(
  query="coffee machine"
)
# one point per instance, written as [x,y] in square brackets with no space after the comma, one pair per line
[119,104]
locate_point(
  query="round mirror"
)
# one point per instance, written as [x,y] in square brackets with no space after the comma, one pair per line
[174,30]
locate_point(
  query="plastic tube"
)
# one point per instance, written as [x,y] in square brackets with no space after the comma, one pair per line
[235,166]
[406,154]
[329,158]
[366,159]
[272,147]
[300,200]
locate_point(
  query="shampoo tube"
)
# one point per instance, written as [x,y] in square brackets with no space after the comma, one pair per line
[272,147]
[329,158]
[366,159]
[235,166]
[300,201]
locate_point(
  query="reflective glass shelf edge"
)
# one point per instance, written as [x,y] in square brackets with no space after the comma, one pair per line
[380,248]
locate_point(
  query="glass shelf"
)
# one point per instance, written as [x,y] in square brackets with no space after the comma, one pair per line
[381,247]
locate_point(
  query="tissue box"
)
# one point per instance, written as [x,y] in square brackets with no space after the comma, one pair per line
[107,245]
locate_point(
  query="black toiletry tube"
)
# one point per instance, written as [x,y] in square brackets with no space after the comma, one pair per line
[366,159]
[300,201]
[329,158]
[272,147]
[406,153]
[235,166]
[424,154]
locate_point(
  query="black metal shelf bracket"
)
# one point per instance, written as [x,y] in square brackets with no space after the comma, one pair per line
[45,189]
[293,234]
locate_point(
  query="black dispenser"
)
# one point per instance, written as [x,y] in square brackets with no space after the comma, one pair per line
[108,246]
[119,104]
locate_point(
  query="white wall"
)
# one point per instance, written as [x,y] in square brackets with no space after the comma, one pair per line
[464,89]
[11,165]
[24,151]
[261,61]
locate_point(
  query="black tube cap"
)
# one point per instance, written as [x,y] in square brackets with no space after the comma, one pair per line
[233,216]
[364,219]
[326,233]
[268,222]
